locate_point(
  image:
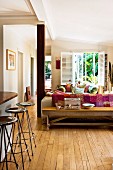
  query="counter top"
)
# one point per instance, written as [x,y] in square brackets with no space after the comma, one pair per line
[6,96]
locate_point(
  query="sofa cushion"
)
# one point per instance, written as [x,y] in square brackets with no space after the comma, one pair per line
[68,87]
[86,89]
[79,90]
[56,97]
[61,88]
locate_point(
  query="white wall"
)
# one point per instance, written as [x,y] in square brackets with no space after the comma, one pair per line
[12,40]
[1,57]
[65,46]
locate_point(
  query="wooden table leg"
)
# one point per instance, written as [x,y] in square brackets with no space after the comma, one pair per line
[48,124]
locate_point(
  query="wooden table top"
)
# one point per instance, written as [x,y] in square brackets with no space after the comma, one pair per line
[93,109]
[6,96]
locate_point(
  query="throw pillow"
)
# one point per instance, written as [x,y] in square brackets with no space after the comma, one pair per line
[86,89]
[68,87]
[93,90]
[61,88]
[79,90]
[81,85]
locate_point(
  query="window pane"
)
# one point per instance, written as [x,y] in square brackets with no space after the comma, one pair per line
[90,67]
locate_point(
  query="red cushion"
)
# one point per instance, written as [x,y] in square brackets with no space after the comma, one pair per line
[68,87]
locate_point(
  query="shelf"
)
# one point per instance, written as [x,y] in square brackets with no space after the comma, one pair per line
[66,67]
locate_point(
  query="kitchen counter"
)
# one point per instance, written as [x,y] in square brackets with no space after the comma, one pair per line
[6,96]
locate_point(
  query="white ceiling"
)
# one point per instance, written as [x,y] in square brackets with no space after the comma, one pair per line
[20,17]
[13,7]
[73,20]
[80,20]
[16,8]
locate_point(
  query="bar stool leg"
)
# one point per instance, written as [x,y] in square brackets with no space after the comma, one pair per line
[11,133]
[9,138]
[20,139]
[6,142]
[20,145]
[30,127]
[5,147]
[31,134]
[4,133]
[20,130]
[1,132]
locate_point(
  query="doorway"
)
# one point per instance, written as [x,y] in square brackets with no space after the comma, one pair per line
[48,73]
[32,76]
[20,77]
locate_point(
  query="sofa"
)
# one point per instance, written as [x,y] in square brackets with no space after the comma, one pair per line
[99,100]
[46,101]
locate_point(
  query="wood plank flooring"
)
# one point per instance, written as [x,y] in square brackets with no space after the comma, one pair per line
[68,148]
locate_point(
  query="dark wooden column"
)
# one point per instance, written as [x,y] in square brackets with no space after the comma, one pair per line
[40,66]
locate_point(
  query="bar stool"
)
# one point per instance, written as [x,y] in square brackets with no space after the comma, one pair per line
[6,140]
[24,105]
[20,134]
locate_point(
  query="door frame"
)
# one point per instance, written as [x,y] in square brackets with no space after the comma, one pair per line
[32,76]
[21,78]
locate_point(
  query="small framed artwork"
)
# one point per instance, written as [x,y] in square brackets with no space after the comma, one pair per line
[58,64]
[10,60]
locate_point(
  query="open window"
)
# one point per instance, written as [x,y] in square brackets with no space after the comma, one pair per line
[88,67]
[48,74]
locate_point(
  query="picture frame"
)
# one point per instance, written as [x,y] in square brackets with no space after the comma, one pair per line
[10,60]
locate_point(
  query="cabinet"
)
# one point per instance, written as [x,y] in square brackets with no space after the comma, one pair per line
[67,68]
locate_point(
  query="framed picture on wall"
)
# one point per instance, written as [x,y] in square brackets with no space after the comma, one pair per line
[10,60]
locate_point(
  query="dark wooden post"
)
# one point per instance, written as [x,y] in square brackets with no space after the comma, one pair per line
[40,66]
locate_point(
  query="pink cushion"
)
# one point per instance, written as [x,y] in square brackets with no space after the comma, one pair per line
[56,97]
[86,89]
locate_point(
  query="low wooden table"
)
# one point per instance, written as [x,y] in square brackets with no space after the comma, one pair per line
[95,112]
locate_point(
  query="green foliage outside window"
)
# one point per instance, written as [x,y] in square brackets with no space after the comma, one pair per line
[47,69]
[90,67]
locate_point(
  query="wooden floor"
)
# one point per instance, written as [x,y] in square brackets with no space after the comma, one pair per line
[69,148]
